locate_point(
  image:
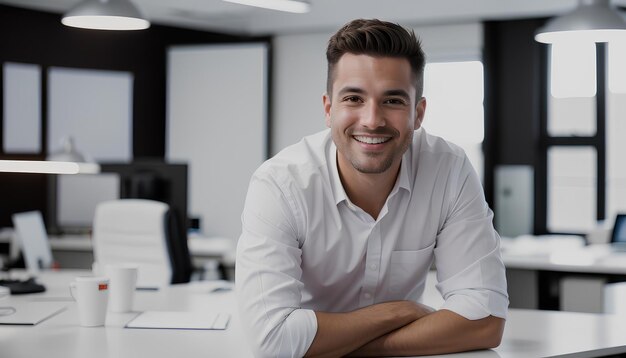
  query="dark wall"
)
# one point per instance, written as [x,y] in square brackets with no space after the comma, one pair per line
[39,37]
[514,107]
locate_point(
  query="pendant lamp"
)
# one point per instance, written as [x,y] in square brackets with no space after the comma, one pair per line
[105,15]
[592,20]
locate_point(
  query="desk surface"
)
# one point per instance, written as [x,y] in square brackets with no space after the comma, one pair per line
[562,255]
[528,333]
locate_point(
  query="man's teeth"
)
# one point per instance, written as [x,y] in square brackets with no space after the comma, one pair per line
[371,140]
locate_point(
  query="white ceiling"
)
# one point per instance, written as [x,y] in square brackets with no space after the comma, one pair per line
[325,15]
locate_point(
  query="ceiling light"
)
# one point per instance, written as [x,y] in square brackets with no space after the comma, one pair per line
[592,20]
[105,15]
[296,6]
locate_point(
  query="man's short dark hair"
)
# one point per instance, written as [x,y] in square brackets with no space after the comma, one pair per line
[378,39]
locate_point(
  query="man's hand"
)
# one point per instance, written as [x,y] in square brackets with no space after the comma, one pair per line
[341,333]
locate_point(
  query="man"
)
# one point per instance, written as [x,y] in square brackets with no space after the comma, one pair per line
[340,230]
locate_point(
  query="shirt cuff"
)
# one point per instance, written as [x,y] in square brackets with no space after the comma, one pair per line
[475,304]
[302,326]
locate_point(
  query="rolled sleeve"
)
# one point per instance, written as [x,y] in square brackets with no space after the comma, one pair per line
[268,276]
[470,270]
[477,292]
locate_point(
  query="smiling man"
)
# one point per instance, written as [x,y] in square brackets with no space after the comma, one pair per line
[340,229]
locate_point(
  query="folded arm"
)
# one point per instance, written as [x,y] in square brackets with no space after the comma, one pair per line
[341,333]
[437,333]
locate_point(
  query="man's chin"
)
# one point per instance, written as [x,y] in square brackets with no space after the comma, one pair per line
[372,168]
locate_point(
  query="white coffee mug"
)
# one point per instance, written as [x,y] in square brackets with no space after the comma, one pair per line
[91,294]
[123,281]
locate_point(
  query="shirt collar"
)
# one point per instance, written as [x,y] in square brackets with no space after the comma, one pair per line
[331,157]
[339,192]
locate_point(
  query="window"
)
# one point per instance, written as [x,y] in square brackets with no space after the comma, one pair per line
[454,93]
[573,139]
[584,137]
[572,183]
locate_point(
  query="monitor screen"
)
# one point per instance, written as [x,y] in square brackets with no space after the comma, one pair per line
[77,197]
[619,229]
[154,180]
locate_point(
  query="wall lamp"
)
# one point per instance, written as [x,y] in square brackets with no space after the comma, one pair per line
[592,20]
[295,6]
[67,160]
[105,15]
[47,167]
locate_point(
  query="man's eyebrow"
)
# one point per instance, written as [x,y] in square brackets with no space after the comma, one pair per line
[351,90]
[398,92]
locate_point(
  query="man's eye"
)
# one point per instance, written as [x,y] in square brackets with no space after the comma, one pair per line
[352,99]
[394,101]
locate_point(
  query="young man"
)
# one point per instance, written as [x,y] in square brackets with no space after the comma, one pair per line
[340,230]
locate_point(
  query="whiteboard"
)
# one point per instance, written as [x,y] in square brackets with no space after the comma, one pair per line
[216,122]
[22,108]
[94,107]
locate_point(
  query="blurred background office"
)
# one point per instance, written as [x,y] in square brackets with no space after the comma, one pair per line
[184,111]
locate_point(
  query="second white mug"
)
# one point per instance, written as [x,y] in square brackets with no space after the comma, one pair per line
[123,281]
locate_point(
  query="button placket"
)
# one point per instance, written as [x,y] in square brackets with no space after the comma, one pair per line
[372,267]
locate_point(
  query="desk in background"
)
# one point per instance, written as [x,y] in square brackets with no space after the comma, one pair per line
[76,252]
[560,272]
[528,333]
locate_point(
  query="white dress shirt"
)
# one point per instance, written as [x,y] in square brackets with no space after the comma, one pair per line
[305,247]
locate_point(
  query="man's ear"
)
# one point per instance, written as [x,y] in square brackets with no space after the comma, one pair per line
[327,105]
[420,110]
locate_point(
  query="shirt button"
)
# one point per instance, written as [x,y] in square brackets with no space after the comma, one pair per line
[373,266]
[367,295]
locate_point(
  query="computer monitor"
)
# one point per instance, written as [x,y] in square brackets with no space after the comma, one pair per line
[33,240]
[154,180]
[77,197]
[73,198]
[619,229]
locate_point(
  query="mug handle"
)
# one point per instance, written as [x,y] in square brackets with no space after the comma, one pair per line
[72,288]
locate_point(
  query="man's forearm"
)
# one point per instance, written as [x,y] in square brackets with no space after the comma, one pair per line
[437,333]
[341,333]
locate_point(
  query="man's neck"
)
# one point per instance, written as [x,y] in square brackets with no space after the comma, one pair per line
[367,191]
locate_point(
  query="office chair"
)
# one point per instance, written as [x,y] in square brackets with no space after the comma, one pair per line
[144,232]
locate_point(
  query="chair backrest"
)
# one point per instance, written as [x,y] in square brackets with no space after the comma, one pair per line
[142,232]
[619,229]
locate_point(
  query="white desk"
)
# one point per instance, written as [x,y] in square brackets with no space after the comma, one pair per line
[560,272]
[62,337]
[527,334]
[563,255]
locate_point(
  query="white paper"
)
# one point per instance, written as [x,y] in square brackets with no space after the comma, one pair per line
[29,313]
[180,320]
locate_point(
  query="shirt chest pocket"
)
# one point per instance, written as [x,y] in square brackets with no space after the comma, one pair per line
[408,270]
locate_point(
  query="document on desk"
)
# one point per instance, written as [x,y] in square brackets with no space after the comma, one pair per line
[180,320]
[28,313]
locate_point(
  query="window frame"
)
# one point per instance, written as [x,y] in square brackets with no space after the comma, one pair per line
[546,141]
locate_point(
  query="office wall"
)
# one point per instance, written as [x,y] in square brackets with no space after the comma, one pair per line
[37,37]
[299,78]
[217,122]
[299,81]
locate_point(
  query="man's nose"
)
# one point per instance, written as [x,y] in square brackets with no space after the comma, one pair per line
[372,116]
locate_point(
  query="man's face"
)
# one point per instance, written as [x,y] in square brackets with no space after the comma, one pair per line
[373,112]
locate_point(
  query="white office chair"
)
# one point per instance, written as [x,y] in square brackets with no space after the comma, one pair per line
[142,232]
